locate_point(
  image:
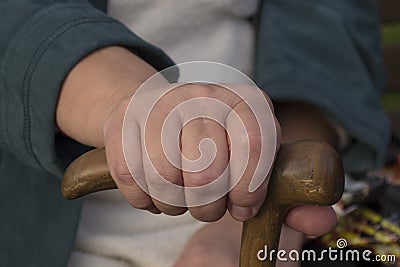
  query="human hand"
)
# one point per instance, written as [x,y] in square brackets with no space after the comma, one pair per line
[91,109]
[172,145]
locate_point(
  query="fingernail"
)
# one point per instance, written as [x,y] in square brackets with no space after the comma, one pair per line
[241,213]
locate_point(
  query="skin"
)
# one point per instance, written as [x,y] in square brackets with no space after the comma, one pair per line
[218,243]
[91,108]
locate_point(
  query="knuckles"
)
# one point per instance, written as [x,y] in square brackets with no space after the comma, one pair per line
[199,90]
[238,196]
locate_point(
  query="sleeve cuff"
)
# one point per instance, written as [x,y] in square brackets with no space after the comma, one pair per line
[37,60]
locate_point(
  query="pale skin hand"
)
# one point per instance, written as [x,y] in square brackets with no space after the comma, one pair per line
[218,243]
[91,109]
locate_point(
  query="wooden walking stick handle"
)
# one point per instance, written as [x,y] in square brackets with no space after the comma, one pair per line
[305,172]
[87,174]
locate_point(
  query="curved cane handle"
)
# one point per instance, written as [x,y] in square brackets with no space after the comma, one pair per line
[87,174]
[305,173]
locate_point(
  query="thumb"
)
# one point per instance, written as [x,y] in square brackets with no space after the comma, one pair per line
[311,220]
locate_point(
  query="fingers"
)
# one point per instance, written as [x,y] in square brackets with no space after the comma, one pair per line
[191,159]
[248,134]
[162,162]
[197,150]
[311,220]
[196,143]
[120,172]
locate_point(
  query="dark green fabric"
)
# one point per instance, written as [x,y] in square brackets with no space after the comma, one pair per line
[40,43]
[100,4]
[327,53]
[37,225]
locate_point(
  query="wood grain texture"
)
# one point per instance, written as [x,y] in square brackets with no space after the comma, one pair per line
[305,172]
[87,174]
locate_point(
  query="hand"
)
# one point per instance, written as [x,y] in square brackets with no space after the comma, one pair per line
[91,109]
[154,158]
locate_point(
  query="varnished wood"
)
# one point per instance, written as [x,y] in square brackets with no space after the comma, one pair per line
[308,173]
[87,174]
[305,172]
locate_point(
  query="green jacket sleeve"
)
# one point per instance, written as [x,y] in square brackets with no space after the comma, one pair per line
[328,53]
[41,41]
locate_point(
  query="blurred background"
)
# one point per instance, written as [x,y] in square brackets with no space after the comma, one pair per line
[390,15]
[369,211]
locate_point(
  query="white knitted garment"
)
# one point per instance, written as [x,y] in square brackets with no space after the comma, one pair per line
[111,233]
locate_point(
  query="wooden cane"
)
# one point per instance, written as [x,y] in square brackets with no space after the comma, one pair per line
[305,173]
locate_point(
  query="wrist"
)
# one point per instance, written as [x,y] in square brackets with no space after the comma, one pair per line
[92,90]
